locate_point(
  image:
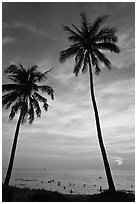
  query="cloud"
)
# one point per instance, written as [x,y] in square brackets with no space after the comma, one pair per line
[127,47]
[32,28]
[27,48]
[7,39]
[69,129]
[72,114]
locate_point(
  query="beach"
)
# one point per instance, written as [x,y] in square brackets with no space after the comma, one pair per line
[69,182]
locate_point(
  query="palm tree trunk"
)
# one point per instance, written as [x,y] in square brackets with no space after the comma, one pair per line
[8,175]
[102,147]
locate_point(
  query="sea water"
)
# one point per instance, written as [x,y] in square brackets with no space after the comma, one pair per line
[78,182]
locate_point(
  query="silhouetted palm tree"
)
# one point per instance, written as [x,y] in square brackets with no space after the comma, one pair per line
[86,46]
[23,96]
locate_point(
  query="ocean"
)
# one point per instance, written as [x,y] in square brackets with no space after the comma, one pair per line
[77,182]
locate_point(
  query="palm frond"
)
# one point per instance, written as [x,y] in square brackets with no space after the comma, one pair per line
[10,87]
[79,54]
[96,25]
[97,70]
[43,76]
[106,35]
[17,106]
[33,105]
[70,52]
[84,23]
[14,110]
[93,58]
[32,73]
[39,97]
[11,69]
[24,110]
[33,69]
[45,106]
[33,77]
[12,72]
[47,89]
[78,30]
[22,68]
[30,110]
[9,98]
[85,63]
[70,31]
[103,58]
[108,46]
[78,65]
[16,73]
[37,108]
[74,39]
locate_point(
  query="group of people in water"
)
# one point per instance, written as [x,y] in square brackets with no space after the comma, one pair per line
[70,184]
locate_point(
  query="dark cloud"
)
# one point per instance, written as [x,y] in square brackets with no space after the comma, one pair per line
[27,46]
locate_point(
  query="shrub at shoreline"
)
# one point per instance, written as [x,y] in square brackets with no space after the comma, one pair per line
[14,194]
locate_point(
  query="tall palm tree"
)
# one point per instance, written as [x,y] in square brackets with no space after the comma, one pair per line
[87,45]
[23,96]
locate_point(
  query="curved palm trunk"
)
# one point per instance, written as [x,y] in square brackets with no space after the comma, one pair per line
[103,151]
[8,175]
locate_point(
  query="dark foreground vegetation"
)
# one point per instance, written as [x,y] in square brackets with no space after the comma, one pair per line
[14,194]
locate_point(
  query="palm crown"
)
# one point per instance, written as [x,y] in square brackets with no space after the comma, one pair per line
[23,93]
[88,42]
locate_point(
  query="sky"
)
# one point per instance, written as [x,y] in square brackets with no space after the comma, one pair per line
[65,137]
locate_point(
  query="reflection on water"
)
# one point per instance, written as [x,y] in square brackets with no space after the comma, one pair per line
[81,182]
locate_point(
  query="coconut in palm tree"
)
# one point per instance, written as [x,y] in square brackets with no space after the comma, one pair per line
[88,42]
[23,97]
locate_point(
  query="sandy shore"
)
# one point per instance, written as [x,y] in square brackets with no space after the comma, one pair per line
[14,194]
